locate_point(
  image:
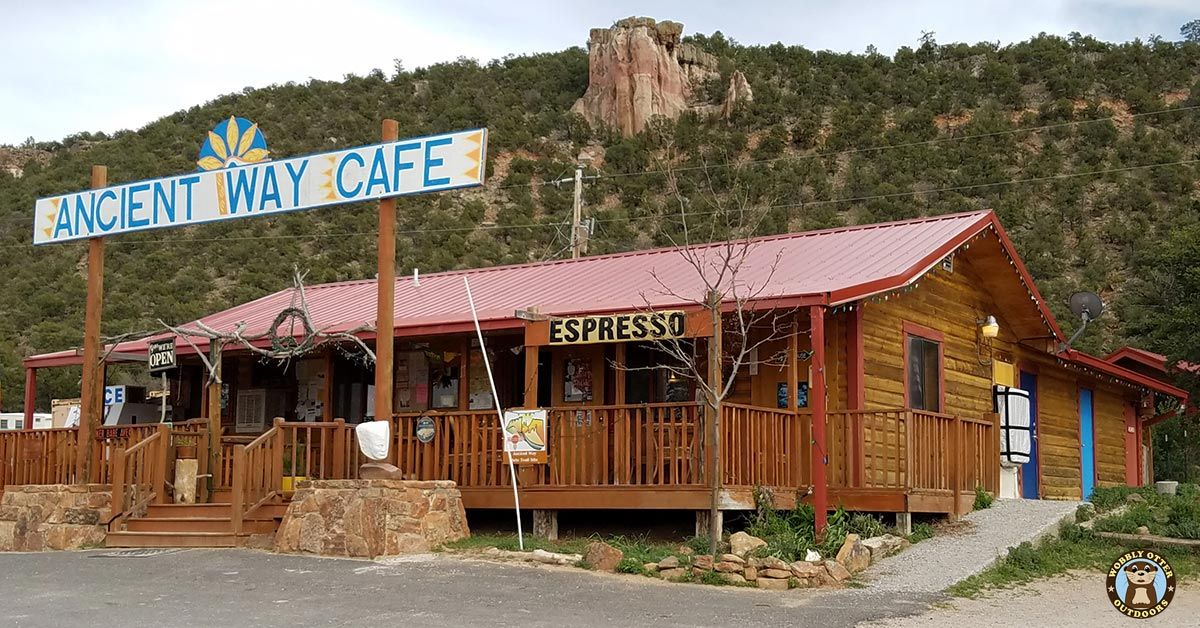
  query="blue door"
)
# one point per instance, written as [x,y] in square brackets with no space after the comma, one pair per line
[1029,470]
[1087,442]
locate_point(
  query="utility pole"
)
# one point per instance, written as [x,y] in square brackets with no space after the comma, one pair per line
[579,231]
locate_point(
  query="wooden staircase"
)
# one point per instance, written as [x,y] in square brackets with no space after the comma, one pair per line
[194,525]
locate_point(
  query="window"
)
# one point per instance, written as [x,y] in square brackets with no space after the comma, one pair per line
[924,373]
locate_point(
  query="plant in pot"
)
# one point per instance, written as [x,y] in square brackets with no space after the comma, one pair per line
[185,448]
[294,469]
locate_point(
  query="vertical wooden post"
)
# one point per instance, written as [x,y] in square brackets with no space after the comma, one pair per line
[793,388]
[327,390]
[464,359]
[715,374]
[30,395]
[117,501]
[340,469]
[856,394]
[619,374]
[385,324]
[238,496]
[162,460]
[531,376]
[956,464]
[91,390]
[816,400]
[214,415]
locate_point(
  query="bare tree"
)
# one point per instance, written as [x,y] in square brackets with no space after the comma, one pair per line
[734,297]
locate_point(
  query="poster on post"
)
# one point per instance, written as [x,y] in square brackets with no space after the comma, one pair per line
[525,435]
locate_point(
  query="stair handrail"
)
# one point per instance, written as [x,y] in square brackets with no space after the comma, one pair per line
[124,478]
[258,485]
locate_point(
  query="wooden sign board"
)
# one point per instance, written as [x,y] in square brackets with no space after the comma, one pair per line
[526,436]
[626,327]
[237,179]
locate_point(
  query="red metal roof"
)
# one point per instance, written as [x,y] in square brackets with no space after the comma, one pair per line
[1151,359]
[1102,365]
[818,267]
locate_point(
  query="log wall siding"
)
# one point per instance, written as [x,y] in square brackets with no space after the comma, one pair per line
[1058,433]
[1110,436]
[949,303]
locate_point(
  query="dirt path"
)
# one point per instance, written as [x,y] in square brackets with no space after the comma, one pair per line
[1076,599]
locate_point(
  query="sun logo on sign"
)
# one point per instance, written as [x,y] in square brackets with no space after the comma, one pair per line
[233,142]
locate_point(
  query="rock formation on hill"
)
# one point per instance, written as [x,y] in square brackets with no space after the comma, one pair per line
[639,69]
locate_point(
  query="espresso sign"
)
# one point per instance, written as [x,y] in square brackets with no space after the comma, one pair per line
[618,328]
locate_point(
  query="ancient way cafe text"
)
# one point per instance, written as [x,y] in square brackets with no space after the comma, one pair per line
[408,166]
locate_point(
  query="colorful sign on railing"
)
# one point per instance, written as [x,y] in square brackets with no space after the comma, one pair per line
[236,180]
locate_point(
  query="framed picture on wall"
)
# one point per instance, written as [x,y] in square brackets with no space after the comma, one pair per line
[577,380]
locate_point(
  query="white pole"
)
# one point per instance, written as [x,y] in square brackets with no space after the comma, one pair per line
[512,472]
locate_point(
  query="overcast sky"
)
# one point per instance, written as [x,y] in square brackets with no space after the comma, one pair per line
[79,65]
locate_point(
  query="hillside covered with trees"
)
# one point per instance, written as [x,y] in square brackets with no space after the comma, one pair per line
[1086,149]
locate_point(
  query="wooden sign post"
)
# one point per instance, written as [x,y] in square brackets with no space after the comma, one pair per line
[91,389]
[385,327]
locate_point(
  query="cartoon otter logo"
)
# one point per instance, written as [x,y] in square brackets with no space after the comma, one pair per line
[1141,584]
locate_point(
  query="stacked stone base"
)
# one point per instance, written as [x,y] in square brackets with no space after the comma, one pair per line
[371,518]
[43,517]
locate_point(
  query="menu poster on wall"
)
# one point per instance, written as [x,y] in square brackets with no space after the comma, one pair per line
[479,388]
[577,380]
[412,381]
[251,411]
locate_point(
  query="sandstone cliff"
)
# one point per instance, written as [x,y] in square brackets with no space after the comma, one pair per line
[639,68]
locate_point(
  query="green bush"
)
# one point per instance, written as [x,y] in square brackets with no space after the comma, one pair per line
[921,532]
[866,525]
[983,499]
[630,565]
[1111,497]
[1084,513]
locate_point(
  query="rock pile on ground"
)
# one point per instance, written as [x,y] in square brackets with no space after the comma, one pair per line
[743,566]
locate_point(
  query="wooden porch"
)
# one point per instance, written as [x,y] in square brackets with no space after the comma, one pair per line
[627,456]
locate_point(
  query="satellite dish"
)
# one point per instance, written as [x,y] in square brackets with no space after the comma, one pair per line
[1087,305]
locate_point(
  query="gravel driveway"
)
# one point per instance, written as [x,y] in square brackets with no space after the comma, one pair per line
[931,566]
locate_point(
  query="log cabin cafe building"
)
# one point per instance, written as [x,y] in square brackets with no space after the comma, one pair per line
[918,362]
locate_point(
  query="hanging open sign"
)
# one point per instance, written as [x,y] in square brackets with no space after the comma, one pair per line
[162,355]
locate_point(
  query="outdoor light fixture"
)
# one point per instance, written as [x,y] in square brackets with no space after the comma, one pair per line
[989,327]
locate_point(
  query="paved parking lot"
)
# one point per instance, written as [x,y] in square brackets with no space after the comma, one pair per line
[244,588]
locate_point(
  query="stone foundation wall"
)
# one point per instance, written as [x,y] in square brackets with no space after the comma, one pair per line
[35,518]
[370,518]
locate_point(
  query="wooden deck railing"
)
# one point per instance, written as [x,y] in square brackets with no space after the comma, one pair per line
[913,450]
[257,473]
[638,445]
[764,446]
[37,456]
[139,474]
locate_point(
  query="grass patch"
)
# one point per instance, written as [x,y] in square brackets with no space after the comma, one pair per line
[1075,548]
[1176,516]
[637,550]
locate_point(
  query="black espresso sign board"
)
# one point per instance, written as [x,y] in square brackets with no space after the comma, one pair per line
[162,355]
